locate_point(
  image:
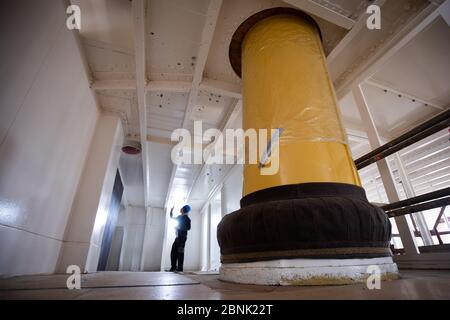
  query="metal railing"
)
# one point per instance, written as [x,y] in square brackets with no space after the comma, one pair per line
[428,201]
[426,129]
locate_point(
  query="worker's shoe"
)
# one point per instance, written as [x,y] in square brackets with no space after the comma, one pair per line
[172,270]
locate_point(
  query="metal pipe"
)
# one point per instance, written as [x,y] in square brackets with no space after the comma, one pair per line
[403,144]
[441,213]
[418,217]
[419,207]
[439,122]
[419,199]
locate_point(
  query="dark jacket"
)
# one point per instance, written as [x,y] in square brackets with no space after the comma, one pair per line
[184,225]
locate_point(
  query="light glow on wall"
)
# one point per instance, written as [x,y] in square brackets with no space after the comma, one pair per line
[9,211]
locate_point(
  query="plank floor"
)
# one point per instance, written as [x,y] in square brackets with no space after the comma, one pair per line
[423,284]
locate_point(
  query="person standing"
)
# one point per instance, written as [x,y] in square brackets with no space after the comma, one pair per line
[182,228]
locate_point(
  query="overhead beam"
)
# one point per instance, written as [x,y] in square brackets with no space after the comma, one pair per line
[108,46]
[379,84]
[386,52]
[444,11]
[214,86]
[169,86]
[100,85]
[385,170]
[359,25]
[206,39]
[220,87]
[323,12]
[138,9]
[217,187]
[357,135]
[228,119]
[160,140]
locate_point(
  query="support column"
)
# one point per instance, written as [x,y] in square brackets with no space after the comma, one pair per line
[223,201]
[309,223]
[208,237]
[404,226]
[409,190]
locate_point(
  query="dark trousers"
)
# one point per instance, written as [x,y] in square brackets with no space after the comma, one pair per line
[177,254]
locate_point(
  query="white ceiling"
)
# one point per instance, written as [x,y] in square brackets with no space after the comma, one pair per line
[165,112]
[393,113]
[232,14]
[177,48]
[422,67]
[174,30]
[107,21]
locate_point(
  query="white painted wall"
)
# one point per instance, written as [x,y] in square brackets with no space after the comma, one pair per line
[133,239]
[153,239]
[116,249]
[205,243]
[84,232]
[231,193]
[121,223]
[216,216]
[225,202]
[47,119]
[192,251]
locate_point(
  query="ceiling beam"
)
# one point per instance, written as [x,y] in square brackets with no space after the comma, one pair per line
[214,86]
[360,24]
[219,185]
[108,46]
[170,86]
[228,119]
[161,140]
[212,17]
[444,11]
[357,138]
[206,40]
[379,84]
[323,12]
[114,85]
[139,9]
[220,87]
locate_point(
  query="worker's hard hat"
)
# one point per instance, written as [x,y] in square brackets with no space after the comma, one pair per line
[186,208]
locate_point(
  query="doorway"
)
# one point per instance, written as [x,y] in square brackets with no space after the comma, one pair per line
[111,222]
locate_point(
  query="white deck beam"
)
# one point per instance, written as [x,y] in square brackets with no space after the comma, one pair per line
[139,8]
[220,87]
[214,86]
[228,119]
[202,56]
[323,12]
[357,27]
[386,52]
[387,177]
[379,84]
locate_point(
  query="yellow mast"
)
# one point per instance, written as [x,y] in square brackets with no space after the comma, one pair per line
[286,85]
